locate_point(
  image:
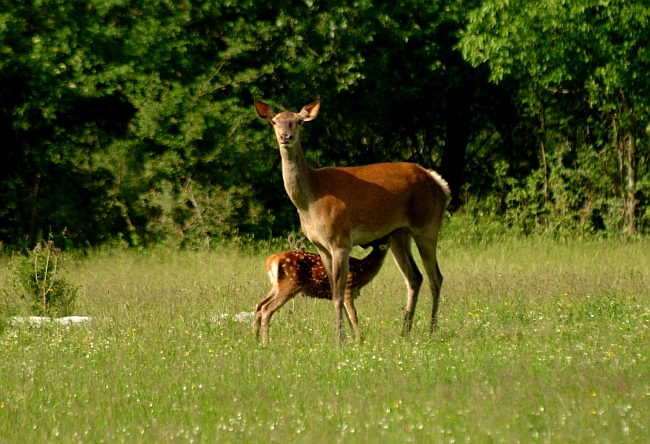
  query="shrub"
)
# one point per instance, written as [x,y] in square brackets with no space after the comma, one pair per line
[37,279]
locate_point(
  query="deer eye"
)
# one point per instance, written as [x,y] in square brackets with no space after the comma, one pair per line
[273,122]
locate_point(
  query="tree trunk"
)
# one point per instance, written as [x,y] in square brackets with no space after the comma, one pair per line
[454,156]
[629,200]
[626,150]
[33,229]
[542,145]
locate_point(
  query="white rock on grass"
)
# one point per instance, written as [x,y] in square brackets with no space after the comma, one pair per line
[244,316]
[40,320]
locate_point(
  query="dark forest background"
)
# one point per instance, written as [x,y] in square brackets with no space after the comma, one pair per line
[132,121]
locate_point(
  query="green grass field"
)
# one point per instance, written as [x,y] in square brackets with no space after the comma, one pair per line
[538,341]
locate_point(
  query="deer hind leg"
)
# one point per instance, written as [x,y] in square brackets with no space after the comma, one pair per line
[265,309]
[401,249]
[352,312]
[258,310]
[427,248]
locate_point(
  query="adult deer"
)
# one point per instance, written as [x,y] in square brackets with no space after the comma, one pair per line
[343,207]
[292,272]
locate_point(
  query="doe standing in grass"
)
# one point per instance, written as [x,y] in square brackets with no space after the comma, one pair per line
[343,207]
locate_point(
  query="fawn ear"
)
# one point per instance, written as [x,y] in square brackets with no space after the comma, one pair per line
[309,112]
[264,111]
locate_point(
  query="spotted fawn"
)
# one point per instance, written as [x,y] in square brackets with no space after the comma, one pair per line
[292,272]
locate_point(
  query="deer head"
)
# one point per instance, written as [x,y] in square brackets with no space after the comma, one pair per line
[287,124]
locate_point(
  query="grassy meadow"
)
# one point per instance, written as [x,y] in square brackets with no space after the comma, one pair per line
[537,341]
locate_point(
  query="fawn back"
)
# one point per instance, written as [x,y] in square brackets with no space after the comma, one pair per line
[305,273]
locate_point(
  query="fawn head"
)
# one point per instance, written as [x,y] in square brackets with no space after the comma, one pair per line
[287,124]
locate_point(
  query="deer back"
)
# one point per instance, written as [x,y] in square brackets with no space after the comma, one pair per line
[374,200]
[295,265]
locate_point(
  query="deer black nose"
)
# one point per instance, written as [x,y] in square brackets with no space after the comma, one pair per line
[286,137]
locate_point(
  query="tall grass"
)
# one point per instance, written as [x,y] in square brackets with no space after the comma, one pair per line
[538,341]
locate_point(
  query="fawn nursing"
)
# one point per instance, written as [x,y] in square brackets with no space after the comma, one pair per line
[292,272]
[343,207]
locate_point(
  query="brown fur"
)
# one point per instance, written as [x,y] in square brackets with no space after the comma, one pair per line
[343,207]
[292,272]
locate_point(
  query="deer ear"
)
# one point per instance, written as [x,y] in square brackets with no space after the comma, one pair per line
[309,112]
[264,111]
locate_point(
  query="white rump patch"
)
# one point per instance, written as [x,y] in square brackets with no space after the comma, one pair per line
[443,184]
[273,273]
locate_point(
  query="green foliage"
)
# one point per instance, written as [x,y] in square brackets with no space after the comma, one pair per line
[132,120]
[580,66]
[37,280]
[5,313]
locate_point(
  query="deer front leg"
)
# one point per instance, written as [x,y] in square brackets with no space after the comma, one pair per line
[352,312]
[327,260]
[339,280]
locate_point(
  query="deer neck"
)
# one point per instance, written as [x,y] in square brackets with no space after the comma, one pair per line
[297,176]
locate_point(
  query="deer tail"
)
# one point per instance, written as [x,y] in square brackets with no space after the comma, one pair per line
[442,183]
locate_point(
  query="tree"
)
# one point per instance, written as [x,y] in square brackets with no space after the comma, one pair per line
[133,118]
[591,53]
[56,113]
